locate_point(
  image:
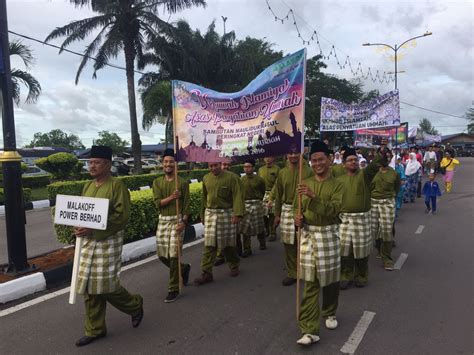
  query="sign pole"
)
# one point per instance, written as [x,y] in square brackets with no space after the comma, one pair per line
[75,271]
[298,242]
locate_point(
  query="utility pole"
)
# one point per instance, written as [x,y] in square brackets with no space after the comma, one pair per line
[224,19]
[11,161]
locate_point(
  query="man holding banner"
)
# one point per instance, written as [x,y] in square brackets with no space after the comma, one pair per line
[284,192]
[222,209]
[101,253]
[269,173]
[170,226]
[320,262]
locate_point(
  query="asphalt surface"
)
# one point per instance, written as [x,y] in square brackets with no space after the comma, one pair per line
[40,237]
[424,308]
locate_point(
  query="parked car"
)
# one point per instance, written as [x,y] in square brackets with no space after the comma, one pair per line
[33,170]
[129,162]
[119,168]
[152,163]
[85,164]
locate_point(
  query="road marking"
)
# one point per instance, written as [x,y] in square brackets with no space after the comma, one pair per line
[400,261]
[355,338]
[420,228]
[63,291]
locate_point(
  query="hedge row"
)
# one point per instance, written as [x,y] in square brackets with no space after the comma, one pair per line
[143,215]
[26,195]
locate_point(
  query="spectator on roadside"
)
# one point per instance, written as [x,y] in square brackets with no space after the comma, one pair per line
[448,164]
[412,175]
[431,191]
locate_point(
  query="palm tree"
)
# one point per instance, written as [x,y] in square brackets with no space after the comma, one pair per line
[122,25]
[22,76]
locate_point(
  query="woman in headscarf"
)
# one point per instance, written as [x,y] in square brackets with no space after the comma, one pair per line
[337,158]
[448,164]
[362,163]
[400,169]
[411,174]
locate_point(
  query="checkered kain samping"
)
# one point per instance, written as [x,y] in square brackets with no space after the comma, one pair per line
[253,223]
[218,228]
[287,224]
[382,216]
[166,241]
[355,234]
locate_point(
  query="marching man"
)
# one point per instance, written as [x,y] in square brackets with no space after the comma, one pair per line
[222,209]
[168,230]
[354,232]
[269,174]
[285,191]
[320,263]
[252,222]
[101,253]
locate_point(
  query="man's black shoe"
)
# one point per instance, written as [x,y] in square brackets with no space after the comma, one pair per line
[246,253]
[137,318]
[172,296]
[360,284]
[288,281]
[185,274]
[86,340]
[219,261]
[344,285]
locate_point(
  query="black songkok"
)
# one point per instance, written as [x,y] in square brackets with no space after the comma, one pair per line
[319,146]
[102,152]
[348,152]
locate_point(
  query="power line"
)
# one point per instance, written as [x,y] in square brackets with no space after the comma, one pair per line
[427,109]
[315,36]
[69,51]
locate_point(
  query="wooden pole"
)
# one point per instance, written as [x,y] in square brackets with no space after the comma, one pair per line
[298,241]
[75,271]
[178,235]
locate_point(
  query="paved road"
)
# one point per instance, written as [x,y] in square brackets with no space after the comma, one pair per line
[424,308]
[40,237]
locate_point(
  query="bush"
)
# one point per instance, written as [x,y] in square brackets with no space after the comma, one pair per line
[35,181]
[26,196]
[60,165]
[65,188]
[143,216]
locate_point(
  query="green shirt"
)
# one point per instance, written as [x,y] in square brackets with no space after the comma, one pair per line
[338,170]
[385,185]
[253,187]
[285,186]
[357,188]
[119,205]
[269,175]
[163,188]
[324,209]
[222,191]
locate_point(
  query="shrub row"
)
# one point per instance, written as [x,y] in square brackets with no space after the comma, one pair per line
[143,216]
[26,195]
[35,181]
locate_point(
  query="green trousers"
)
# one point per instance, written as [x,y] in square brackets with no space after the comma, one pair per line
[354,269]
[269,225]
[310,314]
[172,264]
[248,241]
[209,258]
[290,259]
[385,250]
[238,241]
[96,306]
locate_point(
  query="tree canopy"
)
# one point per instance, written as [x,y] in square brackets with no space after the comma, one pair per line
[56,138]
[470,120]
[111,140]
[426,127]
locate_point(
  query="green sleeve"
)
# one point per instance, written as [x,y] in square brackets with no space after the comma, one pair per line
[277,194]
[238,198]
[204,199]
[119,212]
[262,186]
[157,197]
[330,208]
[371,170]
[185,210]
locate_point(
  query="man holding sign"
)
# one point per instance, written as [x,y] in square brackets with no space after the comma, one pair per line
[100,257]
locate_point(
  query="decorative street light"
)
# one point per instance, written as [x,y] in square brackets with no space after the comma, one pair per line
[395,49]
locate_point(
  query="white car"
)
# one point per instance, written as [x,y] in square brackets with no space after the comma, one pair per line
[152,163]
[34,171]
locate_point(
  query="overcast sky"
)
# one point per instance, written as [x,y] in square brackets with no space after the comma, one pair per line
[438,69]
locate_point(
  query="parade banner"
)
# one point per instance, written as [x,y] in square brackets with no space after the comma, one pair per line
[266,118]
[373,137]
[383,111]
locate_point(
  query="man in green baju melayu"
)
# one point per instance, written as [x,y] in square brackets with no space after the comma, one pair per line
[253,190]
[354,232]
[222,209]
[284,192]
[269,173]
[169,230]
[101,253]
[384,188]
[320,262]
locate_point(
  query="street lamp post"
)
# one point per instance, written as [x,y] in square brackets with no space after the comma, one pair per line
[395,49]
[11,160]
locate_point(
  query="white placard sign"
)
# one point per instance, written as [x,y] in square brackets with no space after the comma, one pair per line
[79,211]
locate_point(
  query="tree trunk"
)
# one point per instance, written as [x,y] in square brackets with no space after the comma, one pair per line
[167,136]
[136,143]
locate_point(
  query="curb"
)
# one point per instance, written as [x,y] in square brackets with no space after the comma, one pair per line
[35,205]
[40,281]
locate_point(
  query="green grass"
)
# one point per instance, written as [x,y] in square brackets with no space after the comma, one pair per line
[39,194]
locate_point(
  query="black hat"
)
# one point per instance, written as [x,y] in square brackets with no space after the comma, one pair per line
[344,148]
[102,152]
[168,153]
[250,161]
[319,146]
[348,152]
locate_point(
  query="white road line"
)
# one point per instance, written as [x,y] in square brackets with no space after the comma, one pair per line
[400,261]
[355,338]
[420,228]
[63,291]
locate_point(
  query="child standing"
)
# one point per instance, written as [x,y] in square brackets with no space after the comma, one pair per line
[431,191]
